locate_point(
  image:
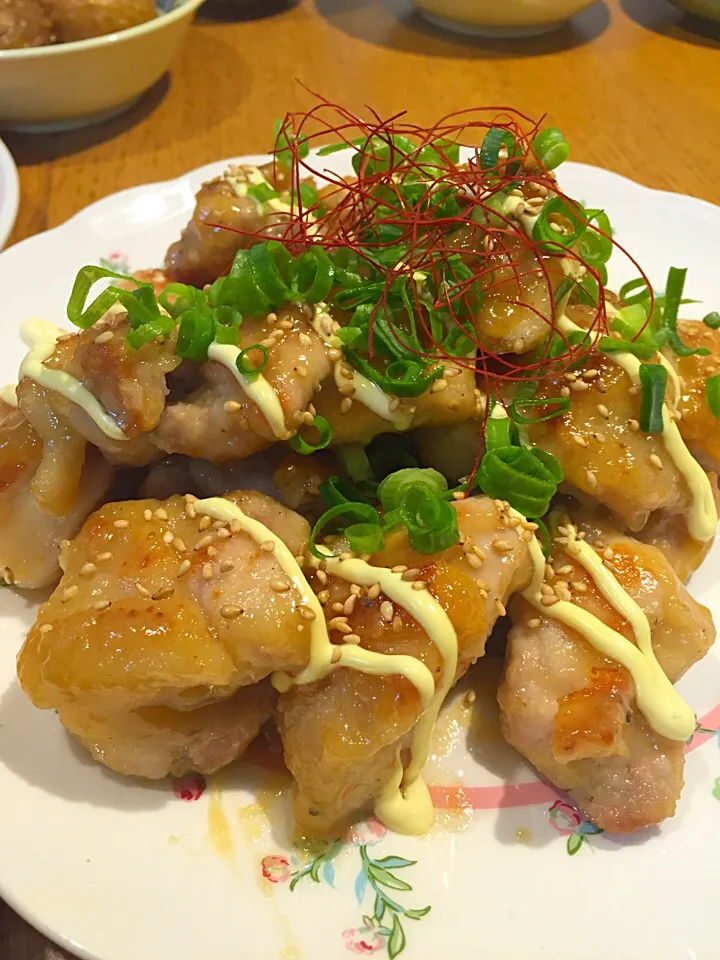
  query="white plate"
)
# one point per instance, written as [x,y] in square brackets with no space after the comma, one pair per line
[9,193]
[117,870]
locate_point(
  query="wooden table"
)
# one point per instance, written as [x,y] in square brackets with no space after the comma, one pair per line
[633,87]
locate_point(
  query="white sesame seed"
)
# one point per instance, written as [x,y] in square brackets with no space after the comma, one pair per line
[387,611]
[410,574]
[419,584]
[268,545]
[223,533]
[591,478]
[203,542]
[121,524]
[204,523]
[229,611]
[104,337]
[635,425]
[143,591]
[656,461]
[345,404]
[349,604]
[307,613]
[399,568]
[351,638]
[548,601]
[87,569]
[147,514]
[501,546]
[101,605]
[168,537]
[232,406]
[46,628]
[608,553]
[474,561]
[183,568]
[397,623]
[163,593]
[564,391]
[161,514]
[225,566]
[69,592]
[579,585]
[279,586]
[534,623]
[179,545]
[500,607]
[207,571]
[580,441]
[340,624]
[439,386]
[603,410]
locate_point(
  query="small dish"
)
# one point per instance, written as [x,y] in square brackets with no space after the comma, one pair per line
[512,18]
[705,9]
[45,89]
[9,193]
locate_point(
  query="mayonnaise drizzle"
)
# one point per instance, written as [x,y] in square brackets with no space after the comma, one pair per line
[367,393]
[659,702]
[703,518]
[404,803]
[42,337]
[256,388]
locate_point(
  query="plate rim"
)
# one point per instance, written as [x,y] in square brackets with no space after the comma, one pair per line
[9,210]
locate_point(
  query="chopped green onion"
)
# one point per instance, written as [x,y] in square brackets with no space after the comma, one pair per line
[653,380]
[337,490]
[527,479]
[262,192]
[361,512]
[365,538]
[308,195]
[176,298]
[227,325]
[596,247]
[560,207]
[284,138]
[672,301]
[712,320]
[638,348]
[354,461]
[562,406]
[497,431]
[140,310]
[315,273]
[245,365]
[402,378]
[551,147]
[393,488]
[634,291]
[431,522]
[492,143]
[325,435]
[195,334]
[150,331]
[543,536]
[271,266]
[712,394]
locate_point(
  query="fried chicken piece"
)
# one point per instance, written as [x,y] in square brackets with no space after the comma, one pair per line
[604,456]
[30,538]
[570,710]
[223,222]
[162,633]
[698,425]
[201,425]
[342,734]
[82,19]
[23,24]
[129,384]
[458,401]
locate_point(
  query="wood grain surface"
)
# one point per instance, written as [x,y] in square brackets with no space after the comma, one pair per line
[633,85]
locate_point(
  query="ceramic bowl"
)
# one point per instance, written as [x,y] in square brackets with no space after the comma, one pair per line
[74,84]
[508,18]
[707,9]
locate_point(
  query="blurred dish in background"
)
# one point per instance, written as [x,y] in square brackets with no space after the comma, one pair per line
[707,9]
[37,23]
[511,18]
[9,193]
[78,81]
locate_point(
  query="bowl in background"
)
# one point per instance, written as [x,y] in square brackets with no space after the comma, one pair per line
[9,193]
[500,18]
[69,85]
[706,9]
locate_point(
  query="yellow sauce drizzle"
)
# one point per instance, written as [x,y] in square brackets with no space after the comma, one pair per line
[703,518]
[404,804]
[256,388]
[657,699]
[42,338]
[367,393]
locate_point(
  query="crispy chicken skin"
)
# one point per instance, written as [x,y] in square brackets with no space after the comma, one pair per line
[158,648]
[341,735]
[571,711]
[30,538]
[201,426]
